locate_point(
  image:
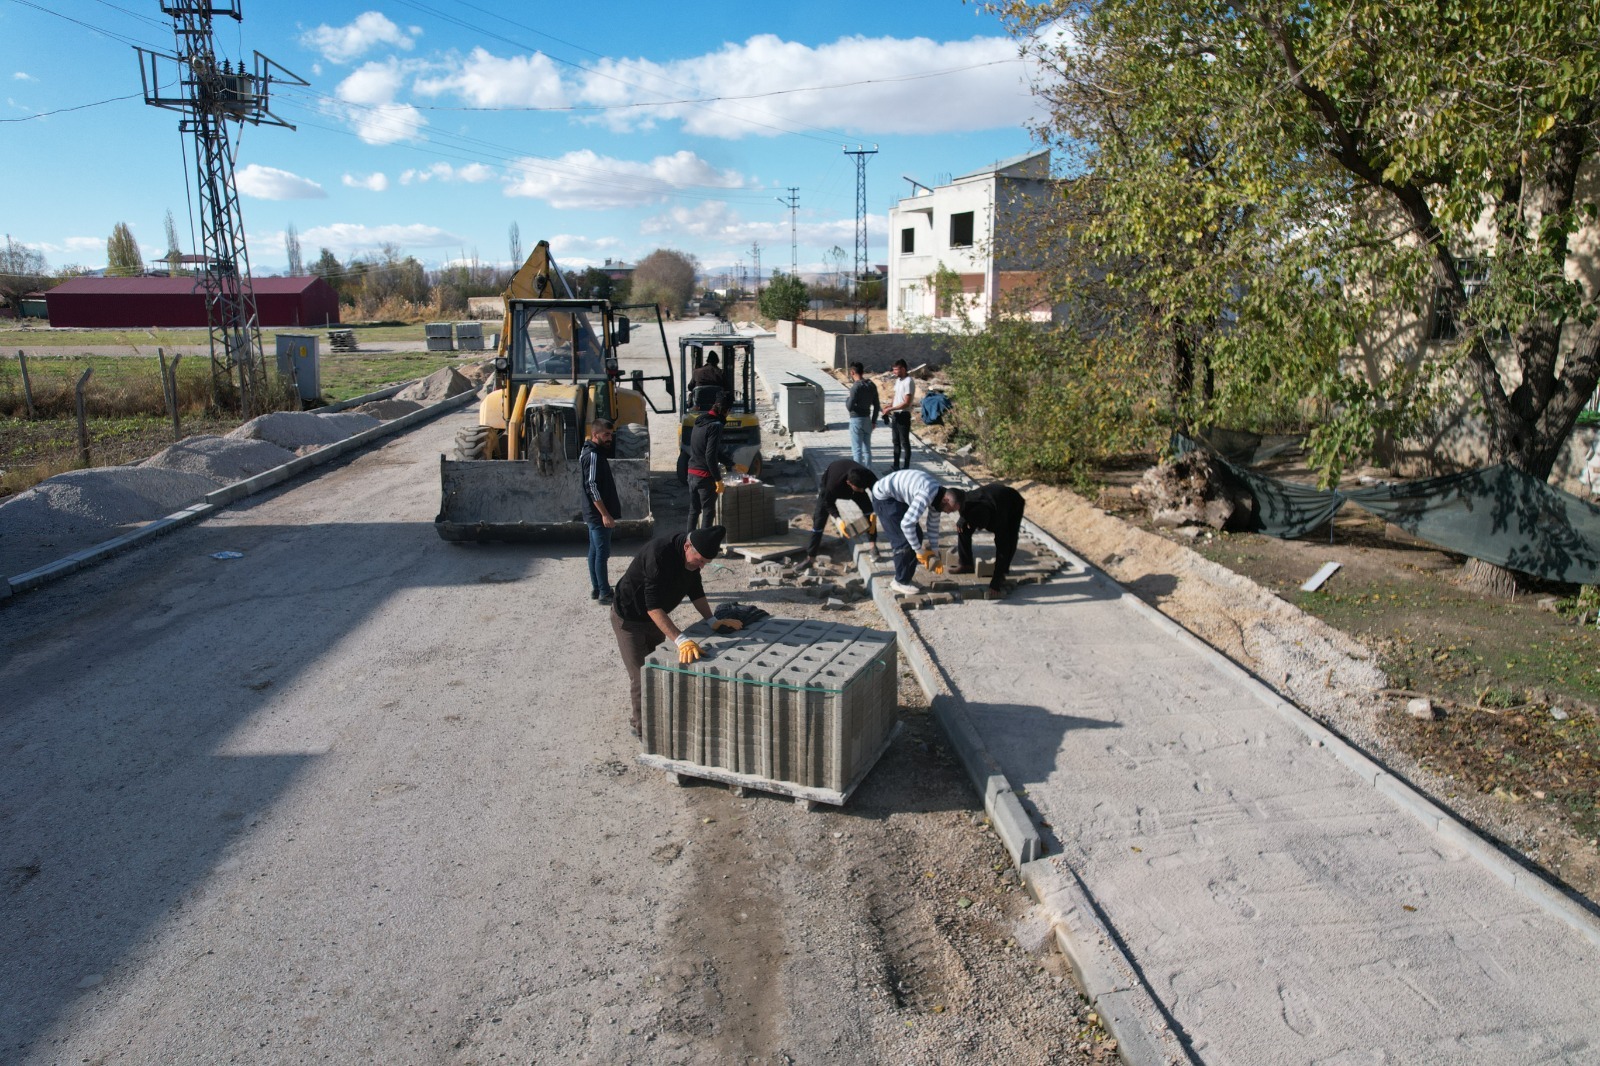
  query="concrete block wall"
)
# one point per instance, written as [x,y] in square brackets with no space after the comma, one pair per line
[803,702]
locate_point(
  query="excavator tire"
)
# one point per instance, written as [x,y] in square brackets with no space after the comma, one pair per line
[472,443]
[632,442]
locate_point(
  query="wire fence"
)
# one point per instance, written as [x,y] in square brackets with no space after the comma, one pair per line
[128,411]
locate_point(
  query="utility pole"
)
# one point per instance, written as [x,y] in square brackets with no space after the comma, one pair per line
[755,253]
[210,96]
[792,202]
[861,155]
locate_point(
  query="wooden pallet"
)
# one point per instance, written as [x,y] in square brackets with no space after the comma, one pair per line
[740,783]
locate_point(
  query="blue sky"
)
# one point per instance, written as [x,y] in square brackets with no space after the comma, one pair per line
[609,130]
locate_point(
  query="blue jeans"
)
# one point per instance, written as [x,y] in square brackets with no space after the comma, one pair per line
[891,513]
[861,440]
[599,557]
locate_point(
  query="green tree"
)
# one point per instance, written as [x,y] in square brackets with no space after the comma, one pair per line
[665,277]
[291,249]
[123,258]
[174,248]
[784,297]
[22,270]
[1375,155]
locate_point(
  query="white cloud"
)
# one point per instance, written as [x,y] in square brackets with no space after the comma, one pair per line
[583,179]
[341,44]
[485,80]
[472,173]
[23,75]
[348,238]
[721,232]
[375,182]
[270,183]
[981,84]
[368,96]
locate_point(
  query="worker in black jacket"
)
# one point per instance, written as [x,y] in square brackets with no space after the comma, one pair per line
[998,509]
[601,507]
[705,464]
[664,573]
[845,479]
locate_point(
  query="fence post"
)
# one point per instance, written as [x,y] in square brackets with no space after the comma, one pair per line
[177,430]
[169,389]
[83,418]
[27,386]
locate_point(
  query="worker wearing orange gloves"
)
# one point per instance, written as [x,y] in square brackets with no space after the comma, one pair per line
[664,574]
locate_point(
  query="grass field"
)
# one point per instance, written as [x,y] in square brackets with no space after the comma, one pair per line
[126,411]
[14,336]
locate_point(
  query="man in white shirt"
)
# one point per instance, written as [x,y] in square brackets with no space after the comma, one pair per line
[898,414]
[900,499]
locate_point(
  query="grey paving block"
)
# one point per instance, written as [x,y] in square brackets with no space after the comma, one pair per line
[802,702]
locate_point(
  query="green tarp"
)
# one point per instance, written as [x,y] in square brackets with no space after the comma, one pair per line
[1498,514]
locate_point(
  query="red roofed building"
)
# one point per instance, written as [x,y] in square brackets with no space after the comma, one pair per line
[140,303]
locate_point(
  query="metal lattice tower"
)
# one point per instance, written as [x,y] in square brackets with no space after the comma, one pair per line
[861,210]
[210,96]
[792,202]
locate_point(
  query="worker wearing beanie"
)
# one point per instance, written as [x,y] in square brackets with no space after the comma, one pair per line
[664,573]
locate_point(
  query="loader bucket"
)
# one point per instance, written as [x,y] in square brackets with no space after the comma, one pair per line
[497,499]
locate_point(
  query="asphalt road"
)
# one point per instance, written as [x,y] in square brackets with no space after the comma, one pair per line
[364,796]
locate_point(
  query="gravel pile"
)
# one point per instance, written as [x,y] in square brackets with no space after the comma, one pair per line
[222,460]
[387,409]
[297,429]
[85,500]
[440,385]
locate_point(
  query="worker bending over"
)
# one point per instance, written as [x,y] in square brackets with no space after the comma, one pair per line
[900,499]
[998,509]
[845,479]
[664,573]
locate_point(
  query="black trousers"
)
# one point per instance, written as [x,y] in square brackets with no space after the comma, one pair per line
[900,434]
[635,640]
[702,502]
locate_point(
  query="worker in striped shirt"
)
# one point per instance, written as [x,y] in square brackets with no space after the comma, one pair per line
[901,499]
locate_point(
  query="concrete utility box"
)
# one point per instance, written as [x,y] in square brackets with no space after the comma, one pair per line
[748,510]
[440,336]
[469,336]
[297,358]
[800,405]
[803,708]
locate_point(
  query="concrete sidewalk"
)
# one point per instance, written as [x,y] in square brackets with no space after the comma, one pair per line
[1248,882]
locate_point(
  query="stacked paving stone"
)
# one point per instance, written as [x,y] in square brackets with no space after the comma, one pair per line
[748,510]
[806,703]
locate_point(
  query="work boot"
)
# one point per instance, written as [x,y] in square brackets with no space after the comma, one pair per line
[606,599]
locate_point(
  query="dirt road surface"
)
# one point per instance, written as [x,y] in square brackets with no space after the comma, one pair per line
[363,796]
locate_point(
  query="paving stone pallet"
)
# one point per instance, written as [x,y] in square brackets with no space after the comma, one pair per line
[786,704]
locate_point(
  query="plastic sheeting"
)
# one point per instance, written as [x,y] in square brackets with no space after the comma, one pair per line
[1498,514]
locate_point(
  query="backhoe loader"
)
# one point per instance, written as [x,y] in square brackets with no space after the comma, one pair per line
[515,473]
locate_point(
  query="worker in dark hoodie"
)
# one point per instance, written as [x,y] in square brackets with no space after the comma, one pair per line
[844,479]
[998,509]
[705,464]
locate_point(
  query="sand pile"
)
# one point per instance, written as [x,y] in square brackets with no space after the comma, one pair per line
[478,373]
[110,496]
[220,459]
[387,409]
[439,385]
[296,429]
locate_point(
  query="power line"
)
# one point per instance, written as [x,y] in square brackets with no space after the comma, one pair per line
[79,107]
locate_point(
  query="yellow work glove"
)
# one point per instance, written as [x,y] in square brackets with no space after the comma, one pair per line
[688,651]
[872,525]
[844,530]
[719,488]
[926,558]
[727,625]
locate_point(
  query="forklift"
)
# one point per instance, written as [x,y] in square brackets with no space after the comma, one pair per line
[736,358]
